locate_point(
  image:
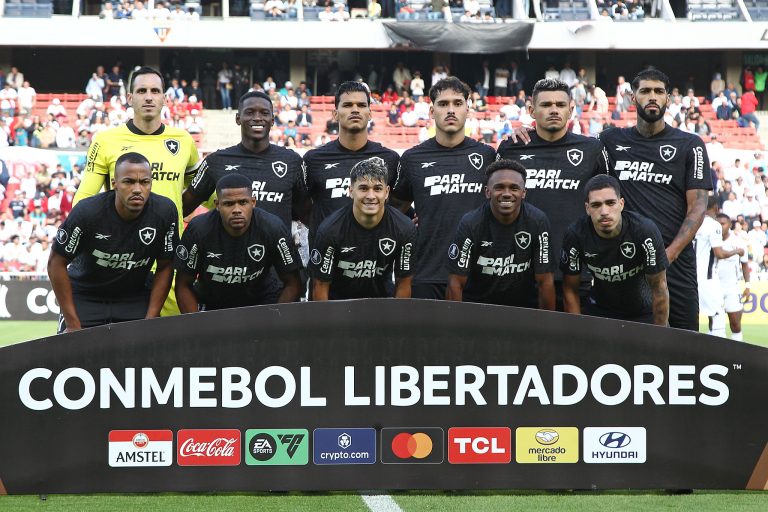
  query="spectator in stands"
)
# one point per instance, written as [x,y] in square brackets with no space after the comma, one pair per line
[326,14]
[417,86]
[225,86]
[304,118]
[421,108]
[439,72]
[748,107]
[441,9]
[374,10]
[341,13]
[107,11]
[623,95]
[18,205]
[95,88]
[390,95]
[161,12]
[401,77]
[8,96]
[178,13]
[690,100]
[731,89]
[717,86]
[114,82]
[174,91]
[393,117]
[26,98]
[193,89]
[274,9]
[732,206]
[568,75]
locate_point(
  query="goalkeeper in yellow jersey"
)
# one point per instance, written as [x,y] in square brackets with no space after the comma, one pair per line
[171,152]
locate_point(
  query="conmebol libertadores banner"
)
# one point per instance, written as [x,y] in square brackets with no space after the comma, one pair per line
[381,394]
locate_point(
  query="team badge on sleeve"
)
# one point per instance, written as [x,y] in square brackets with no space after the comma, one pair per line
[147,235]
[453,251]
[575,156]
[316,257]
[256,252]
[476,159]
[628,250]
[280,168]
[386,246]
[523,239]
[181,252]
[172,145]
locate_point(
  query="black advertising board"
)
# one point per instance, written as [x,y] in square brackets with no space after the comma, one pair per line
[381,394]
[27,300]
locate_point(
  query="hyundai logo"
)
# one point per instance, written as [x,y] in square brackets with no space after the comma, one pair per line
[615,440]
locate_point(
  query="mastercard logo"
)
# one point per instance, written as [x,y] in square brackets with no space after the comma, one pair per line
[417,446]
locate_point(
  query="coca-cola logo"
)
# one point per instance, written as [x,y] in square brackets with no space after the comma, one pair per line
[208,447]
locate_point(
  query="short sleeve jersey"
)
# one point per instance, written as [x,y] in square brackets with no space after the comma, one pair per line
[556,174]
[326,175]
[655,174]
[234,271]
[110,257]
[619,265]
[708,237]
[444,183]
[275,176]
[171,152]
[501,260]
[729,269]
[358,261]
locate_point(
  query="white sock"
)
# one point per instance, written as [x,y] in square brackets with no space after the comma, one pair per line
[737,336]
[718,325]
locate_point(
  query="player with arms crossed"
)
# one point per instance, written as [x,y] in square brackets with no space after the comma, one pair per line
[625,254]
[224,257]
[275,172]
[359,247]
[728,269]
[558,164]
[110,242]
[327,167]
[665,177]
[445,177]
[171,151]
[500,253]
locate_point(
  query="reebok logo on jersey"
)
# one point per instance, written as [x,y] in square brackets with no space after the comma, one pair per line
[228,167]
[125,148]
[257,191]
[424,165]
[100,236]
[117,260]
[147,235]
[640,171]
[526,157]
[485,243]
[476,160]
[256,252]
[361,269]
[232,275]
[450,184]
[331,166]
[502,266]
[589,254]
[212,255]
[339,187]
[667,152]
[575,156]
[345,250]
[279,168]
[172,145]
[549,179]
[622,148]
[628,250]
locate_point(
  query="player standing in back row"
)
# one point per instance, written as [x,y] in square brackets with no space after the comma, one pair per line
[664,174]
[558,165]
[327,167]
[445,177]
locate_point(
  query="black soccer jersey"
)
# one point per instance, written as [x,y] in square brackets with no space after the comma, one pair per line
[501,260]
[234,271]
[275,173]
[619,265]
[655,174]
[359,261]
[110,257]
[556,174]
[326,175]
[444,183]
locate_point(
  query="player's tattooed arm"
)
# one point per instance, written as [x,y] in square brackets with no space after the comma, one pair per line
[571,301]
[455,288]
[161,285]
[660,297]
[697,205]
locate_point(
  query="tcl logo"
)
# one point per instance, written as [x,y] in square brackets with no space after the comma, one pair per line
[208,447]
[479,445]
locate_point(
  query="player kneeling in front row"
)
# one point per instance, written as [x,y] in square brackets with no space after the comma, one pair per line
[500,253]
[624,252]
[224,257]
[110,242]
[358,247]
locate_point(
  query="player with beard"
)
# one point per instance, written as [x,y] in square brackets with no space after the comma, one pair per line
[327,167]
[101,258]
[275,172]
[623,251]
[359,247]
[501,253]
[665,176]
[444,177]
[224,257]
[558,164]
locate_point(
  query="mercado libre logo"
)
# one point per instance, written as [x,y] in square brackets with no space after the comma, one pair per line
[417,445]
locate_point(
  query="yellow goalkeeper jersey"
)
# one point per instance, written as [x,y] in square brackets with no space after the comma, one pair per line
[171,153]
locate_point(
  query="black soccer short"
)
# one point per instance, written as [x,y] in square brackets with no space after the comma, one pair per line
[683,303]
[93,311]
[434,291]
[595,310]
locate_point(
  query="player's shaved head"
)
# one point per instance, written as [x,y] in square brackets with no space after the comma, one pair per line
[505,164]
[373,169]
[600,182]
[130,158]
[232,181]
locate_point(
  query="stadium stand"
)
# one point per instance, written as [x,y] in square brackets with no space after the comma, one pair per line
[29,9]
[713,10]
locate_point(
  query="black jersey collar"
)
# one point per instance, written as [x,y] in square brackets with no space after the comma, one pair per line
[132,128]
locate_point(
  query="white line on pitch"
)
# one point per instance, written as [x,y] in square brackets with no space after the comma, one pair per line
[380,503]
